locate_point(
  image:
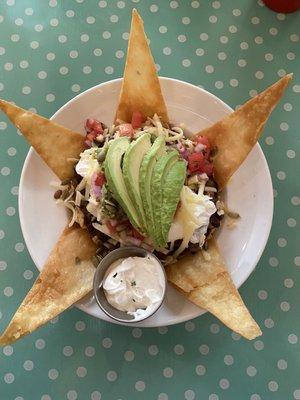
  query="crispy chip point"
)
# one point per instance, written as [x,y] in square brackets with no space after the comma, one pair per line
[236,135]
[54,143]
[66,277]
[141,90]
[208,285]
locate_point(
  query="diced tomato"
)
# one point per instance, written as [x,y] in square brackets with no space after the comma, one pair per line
[203,140]
[136,234]
[198,163]
[100,179]
[93,125]
[87,144]
[111,228]
[126,130]
[91,136]
[136,120]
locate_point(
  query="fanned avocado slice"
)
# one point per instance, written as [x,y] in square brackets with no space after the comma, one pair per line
[160,171]
[115,180]
[131,172]
[157,150]
[173,183]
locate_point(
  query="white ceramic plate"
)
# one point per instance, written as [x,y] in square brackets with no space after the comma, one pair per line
[249,191]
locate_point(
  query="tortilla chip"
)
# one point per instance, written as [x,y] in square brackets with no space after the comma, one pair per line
[141,90]
[53,142]
[236,135]
[208,285]
[66,277]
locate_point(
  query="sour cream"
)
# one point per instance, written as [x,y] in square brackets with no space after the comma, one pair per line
[88,164]
[135,285]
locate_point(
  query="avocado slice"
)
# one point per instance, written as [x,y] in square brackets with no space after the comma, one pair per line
[157,150]
[160,172]
[131,172]
[115,180]
[173,183]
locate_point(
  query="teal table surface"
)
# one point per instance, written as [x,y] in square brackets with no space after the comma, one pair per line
[52,50]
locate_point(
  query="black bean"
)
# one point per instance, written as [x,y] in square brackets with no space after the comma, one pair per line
[57,194]
[215,220]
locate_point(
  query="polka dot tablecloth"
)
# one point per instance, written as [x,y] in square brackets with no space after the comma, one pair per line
[53,50]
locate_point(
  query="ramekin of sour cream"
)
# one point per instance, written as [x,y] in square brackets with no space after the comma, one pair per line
[129,284]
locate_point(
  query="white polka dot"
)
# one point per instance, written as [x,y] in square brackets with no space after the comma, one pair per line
[111,376]
[295,200]
[89,351]
[67,351]
[40,344]
[9,378]
[107,343]
[204,36]
[15,37]
[54,22]
[296,394]
[189,326]
[109,70]
[259,75]
[189,394]
[281,242]
[121,4]
[153,8]
[255,20]
[290,56]
[288,283]
[167,51]
[73,54]
[195,4]
[153,350]
[281,72]
[80,326]
[90,20]
[53,374]
[28,365]
[273,262]
[214,328]
[235,336]
[52,3]
[292,338]
[219,84]
[114,18]
[162,330]
[8,350]
[273,386]
[297,261]
[291,222]
[173,4]
[38,28]
[75,88]
[262,294]
[136,333]
[213,19]
[168,372]
[224,39]
[19,21]
[269,57]
[213,396]
[96,395]
[181,38]
[129,355]
[273,31]
[228,359]
[269,323]
[86,69]
[253,93]
[72,395]
[81,372]
[46,397]
[281,364]
[232,29]
[28,274]
[3,125]
[224,384]
[163,29]
[106,35]
[84,38]
[11,152]
[284,126]
[216,4]
[140,386]
[5,171]
[255,396]
[294,37]
[70,13]
[287,107]
[3,264]
[97,52]
[209,69]
[178,349]
[199,52]
[125,35]
[222,56]
[8,66]
[2,51]
[19,247]
[8,291]
[251,371]
[234,82]
[28,11]
[62,38]
[204,349]
[63,70]
[26,90]
[34,44]
[285,306]
[236,12]
[269,140]
[50,97]
[162,396]
[186,62]
[186,20]
[244,46]
[200,370]
[50,56]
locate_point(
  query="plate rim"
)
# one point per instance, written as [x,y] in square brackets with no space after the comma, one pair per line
[269,191]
